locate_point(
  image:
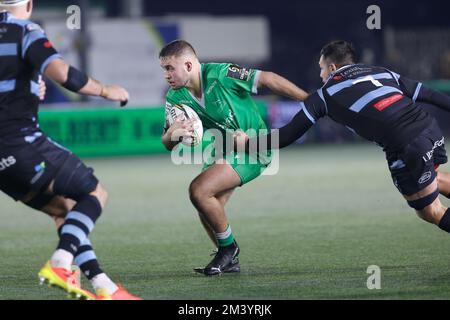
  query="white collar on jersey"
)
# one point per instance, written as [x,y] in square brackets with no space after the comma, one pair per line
[340,69]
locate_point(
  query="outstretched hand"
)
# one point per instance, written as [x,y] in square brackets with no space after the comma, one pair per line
[116,93]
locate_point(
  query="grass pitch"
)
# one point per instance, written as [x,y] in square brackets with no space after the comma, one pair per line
[309,232]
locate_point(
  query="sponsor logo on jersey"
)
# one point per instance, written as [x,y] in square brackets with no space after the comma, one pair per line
[173,113]
[5,163]
[237,72]
[429,155]
[39,169]
[425,177]
[383,104]
[48,45]
[211,87]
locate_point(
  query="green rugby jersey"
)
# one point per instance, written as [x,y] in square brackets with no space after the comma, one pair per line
[226,103]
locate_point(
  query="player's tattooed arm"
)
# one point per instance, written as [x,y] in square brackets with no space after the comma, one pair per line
[281,86]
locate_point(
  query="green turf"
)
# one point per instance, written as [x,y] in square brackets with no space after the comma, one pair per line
[308,233]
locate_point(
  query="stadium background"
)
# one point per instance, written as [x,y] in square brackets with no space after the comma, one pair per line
[309,232]
[414,41]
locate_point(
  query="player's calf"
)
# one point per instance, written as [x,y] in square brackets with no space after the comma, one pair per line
[77,182]
[77,226]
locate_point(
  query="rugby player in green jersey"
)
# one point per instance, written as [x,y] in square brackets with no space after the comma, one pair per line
[220,93]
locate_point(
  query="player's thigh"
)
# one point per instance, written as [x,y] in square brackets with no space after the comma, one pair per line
[413,169]
[29,167]
[248,172]
[75,181]
[248,167]
[216,179]
[428,190]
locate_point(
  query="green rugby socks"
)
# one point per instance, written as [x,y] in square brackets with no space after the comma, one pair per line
[226,238]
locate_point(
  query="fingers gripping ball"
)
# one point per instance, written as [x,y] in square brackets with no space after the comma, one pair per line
[187,113]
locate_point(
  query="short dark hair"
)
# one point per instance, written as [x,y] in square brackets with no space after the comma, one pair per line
[339,52]
[176,48]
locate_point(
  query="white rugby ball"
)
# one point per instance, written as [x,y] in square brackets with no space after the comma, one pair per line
[189,114]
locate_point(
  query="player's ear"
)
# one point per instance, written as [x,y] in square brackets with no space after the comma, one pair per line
[188,65]
[332,67]
[30,6]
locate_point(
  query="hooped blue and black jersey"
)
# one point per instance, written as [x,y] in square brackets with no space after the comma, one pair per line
[25,52]
[374,102]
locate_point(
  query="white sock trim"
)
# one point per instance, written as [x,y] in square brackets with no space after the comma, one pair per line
[224,235]
[62,259]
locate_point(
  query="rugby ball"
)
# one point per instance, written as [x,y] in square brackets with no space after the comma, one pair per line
[187,113]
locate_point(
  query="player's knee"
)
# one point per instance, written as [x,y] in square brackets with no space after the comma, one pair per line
[59,222]
[55,212]
[101,194]
[54,206]
[194,193]
[63,207]
[197,192]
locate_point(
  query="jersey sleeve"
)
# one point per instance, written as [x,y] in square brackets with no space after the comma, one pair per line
[418,92]
[37,49]
[311,110]
[240,79]
[314,107]
[410,88]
